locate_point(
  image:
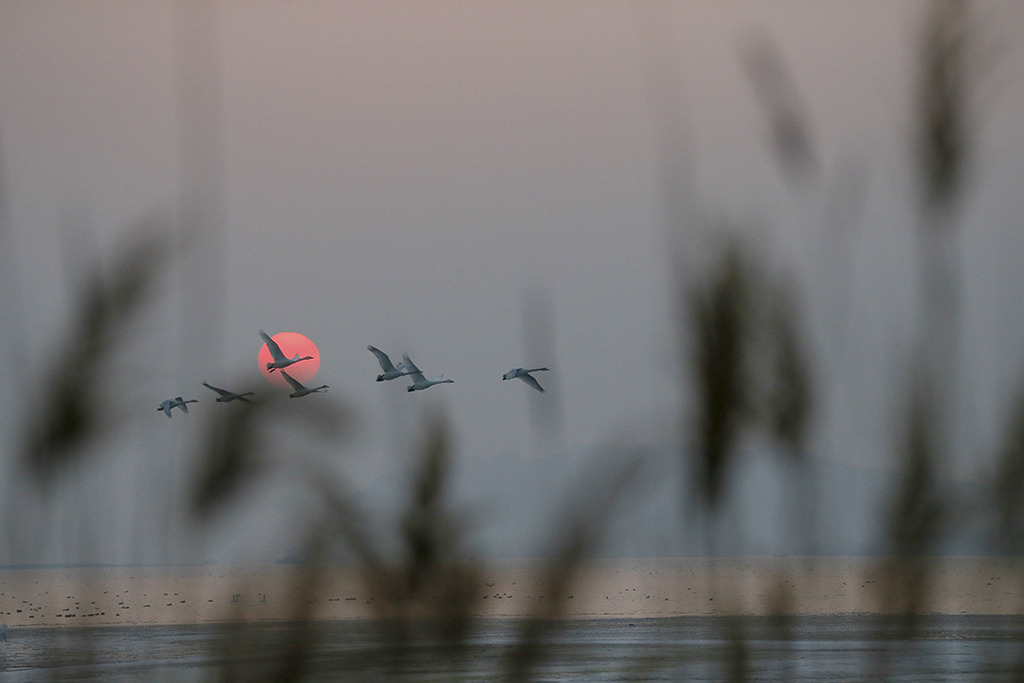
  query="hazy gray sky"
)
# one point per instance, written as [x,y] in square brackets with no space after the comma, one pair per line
[411,175]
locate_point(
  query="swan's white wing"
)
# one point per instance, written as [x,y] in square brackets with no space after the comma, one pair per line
[296,385]
[275,350]
[382,358]
[414,372]
[531,381]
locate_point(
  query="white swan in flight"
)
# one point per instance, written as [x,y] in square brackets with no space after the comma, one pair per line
[300,390]
[524,374]
[419,382]
[280,361]
[178,402]
[389,371]
[228,396]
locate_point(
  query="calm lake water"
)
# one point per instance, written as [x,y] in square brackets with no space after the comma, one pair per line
[834,648]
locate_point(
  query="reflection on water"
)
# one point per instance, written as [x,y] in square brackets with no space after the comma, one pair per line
[836,648]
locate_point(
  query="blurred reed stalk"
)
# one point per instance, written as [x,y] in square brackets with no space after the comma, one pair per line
[750,376]
[70,411]
[941,153]
[1007,513]
[577,536]
[934,429]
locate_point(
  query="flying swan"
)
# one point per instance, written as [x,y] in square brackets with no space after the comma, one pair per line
[419,382]
[524,374]
[280,361]
[228,396]
[178,402]
[389,370]
[300,390]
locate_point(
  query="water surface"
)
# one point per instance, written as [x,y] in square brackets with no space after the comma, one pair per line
[809,648]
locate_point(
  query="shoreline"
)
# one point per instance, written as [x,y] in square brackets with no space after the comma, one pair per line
[605,588]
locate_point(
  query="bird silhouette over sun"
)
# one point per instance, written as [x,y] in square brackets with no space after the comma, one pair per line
[292,345]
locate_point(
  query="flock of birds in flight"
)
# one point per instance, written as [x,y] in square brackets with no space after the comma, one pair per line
[389,371]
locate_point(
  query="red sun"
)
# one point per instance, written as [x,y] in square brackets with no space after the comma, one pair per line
[291,343]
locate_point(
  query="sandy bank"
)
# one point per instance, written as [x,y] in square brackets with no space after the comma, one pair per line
[619,588]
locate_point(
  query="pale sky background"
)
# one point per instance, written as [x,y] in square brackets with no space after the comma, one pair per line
[412,175]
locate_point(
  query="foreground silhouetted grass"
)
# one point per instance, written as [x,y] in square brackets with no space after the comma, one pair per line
[747,362]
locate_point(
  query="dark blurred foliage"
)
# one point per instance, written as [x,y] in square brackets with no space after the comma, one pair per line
[235,449]
[71,408]
[1008,484]
[790,399]
[717,317]
[746,362]
[915,522]
[433,578]
[576,539]
[917,519]
[943,89]
[788,119]
[745,357]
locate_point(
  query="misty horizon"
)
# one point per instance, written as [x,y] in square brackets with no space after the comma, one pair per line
[484,188]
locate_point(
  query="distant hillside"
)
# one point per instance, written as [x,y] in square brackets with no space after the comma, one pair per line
[511,506]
